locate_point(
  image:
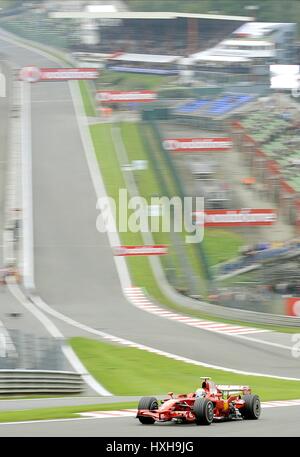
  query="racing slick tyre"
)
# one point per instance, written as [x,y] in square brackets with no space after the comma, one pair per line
[204,411]
[150,403]
[252,407]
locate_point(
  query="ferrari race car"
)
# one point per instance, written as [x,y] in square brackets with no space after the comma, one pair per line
[209,403]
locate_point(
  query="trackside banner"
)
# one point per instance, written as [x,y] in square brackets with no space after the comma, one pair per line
[197,144]
[115,96]
[235,218]
[35,74]
[140,250]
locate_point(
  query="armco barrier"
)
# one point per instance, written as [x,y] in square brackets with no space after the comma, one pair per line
[251,317]
[39,382]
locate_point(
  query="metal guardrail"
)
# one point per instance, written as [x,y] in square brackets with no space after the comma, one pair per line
[243,315]
[39,382]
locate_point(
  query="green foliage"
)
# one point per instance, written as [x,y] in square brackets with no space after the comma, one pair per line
[221,245]
[89,106]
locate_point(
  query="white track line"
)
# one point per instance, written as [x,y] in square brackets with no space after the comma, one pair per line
[47,421]
[109,414]
[280,404]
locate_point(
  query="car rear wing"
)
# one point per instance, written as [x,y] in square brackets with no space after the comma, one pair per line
[233,388]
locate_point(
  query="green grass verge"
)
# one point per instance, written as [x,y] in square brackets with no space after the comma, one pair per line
[88,104]
[221,245]
[64,412]
[130,371]
[139,267]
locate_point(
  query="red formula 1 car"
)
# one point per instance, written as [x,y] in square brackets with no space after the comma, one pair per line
[209,403]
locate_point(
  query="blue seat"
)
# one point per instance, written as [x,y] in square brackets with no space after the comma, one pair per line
[228,103]
[190,107]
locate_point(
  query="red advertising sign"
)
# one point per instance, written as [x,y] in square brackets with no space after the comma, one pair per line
[293,306]
[35,74]
[117,96]
[197,144]
[235,218]
[140,250]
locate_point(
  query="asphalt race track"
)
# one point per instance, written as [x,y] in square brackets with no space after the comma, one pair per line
[75,273]
[273,422]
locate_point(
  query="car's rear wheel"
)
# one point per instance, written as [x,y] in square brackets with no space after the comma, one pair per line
[204,411]
[252,407]
[150,403]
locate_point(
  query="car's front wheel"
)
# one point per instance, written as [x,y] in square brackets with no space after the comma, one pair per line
[204,411]
[150,403]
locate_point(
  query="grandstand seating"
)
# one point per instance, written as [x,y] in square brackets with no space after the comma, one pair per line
[214,107]
[279,139]
[192,106]
[228,103]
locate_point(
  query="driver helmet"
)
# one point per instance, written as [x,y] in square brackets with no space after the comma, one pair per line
[200,393]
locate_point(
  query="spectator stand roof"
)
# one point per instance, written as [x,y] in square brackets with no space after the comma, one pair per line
[210,57]
[142,15]
[145,58]
[252,43]
[258,29]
